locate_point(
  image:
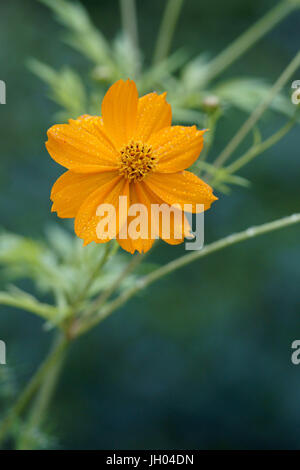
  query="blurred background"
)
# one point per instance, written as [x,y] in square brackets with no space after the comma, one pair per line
[202,359]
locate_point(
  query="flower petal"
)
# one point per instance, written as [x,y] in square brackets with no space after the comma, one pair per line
[173,232]
[142,245]
[176,147]
[71,190]
[154,113]
[119,111]
[87,220]
[94,126]
[181,188]
[178,227]
[82,146]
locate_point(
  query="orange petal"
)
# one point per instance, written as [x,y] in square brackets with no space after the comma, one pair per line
[93,125]
[87,220]
[178,227]
[71,190]
[141,244]
[181,188]
[154,113]
[82,146]
[119,111]
[176,147]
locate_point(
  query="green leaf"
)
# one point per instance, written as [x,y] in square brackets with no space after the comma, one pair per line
[221,179]
[20,299]
[65,87]
[247,93]
[158,77]
[82,36]
[194,71]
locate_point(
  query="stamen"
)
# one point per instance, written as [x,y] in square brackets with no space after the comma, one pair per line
[136,161]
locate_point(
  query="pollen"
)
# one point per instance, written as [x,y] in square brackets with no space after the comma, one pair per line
[136,161]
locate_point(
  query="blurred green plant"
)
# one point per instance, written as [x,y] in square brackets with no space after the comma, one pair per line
[78,287]
[194,88]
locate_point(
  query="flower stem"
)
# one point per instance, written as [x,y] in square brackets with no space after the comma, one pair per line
[183,261]
[32,387]
[109,251]
[260,148]
[109,308]
[166,31]
[211,124]
[41,401]
[258,112]
[48,372]
[97,304]
[56,354]
[248,39]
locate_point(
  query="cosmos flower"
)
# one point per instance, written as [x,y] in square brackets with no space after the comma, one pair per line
[132,150]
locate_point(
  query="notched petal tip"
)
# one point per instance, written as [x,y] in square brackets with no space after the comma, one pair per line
[177,147]
[154,114]
[182,188]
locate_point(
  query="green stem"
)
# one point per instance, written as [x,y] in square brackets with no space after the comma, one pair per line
[97,304]
[41,402]
[109,251]
[183,261]
[211,124]
[49,372]
[107,309]
[260,148]
[129,22]
[248,39]
[32,387]
[125,296]
[166,31]
[29,304]
[258,112]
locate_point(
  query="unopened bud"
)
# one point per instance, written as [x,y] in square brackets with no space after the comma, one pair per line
[211,103]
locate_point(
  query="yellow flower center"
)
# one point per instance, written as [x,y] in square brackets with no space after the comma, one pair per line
[136,161]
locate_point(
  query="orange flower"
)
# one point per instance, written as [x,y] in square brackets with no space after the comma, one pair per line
[131,151]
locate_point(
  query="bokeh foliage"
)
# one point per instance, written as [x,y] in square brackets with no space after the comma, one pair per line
[53,263]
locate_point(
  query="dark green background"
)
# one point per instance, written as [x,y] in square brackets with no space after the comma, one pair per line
[202,359]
